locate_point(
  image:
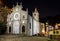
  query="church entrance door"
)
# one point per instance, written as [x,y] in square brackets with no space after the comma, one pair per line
[16,27]
[23,29]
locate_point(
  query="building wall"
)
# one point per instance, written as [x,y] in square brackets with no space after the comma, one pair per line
[42,28]
[30,25]
[35,27]
[54,32]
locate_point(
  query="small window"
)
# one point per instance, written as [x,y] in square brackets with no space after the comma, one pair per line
[23,16]
[54,32]
[30,25]
[57,32]
[10,18]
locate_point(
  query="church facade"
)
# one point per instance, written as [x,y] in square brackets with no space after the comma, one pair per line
[20,22]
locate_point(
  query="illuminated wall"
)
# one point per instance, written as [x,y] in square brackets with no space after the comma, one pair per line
[16,27]
[30,25]
[57,32]
[35,27]
[42,26]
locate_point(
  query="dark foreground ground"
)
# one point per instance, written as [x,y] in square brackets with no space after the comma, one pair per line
[24,38]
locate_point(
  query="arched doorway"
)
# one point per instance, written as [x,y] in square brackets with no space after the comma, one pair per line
[9,29]
[23,29]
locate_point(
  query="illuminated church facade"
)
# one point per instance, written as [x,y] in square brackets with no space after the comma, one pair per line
[20,22]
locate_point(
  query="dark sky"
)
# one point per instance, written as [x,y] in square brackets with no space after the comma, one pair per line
[46,8]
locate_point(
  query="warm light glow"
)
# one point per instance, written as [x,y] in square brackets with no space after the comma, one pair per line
[9,23]
[23,22]
[43,30]
[0,1]
[11,10]
[16,9]
[56,26]
[46,33]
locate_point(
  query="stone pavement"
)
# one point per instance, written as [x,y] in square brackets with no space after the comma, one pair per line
[21,38]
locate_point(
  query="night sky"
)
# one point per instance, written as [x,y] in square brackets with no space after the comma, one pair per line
[46,8]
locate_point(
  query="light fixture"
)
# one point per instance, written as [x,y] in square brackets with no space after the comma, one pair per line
[16,9]
[9,23]
[23,22]
[43,31]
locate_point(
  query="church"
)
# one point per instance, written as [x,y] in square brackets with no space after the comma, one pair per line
[20,22]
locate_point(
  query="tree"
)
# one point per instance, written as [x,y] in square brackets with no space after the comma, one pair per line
[2,28]
[3,13]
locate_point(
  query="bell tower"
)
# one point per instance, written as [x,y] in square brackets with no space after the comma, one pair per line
[36,26]
[36,14]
